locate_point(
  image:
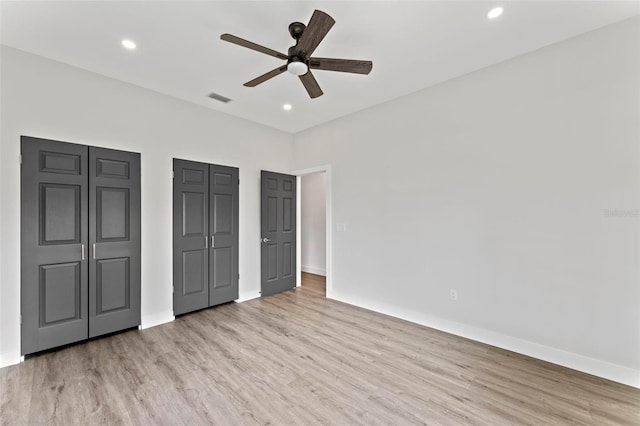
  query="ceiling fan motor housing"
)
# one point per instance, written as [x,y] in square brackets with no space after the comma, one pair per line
[293,53]
[296,29]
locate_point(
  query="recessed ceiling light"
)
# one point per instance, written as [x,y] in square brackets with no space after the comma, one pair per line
[495,12]
[287,107]
[128,44]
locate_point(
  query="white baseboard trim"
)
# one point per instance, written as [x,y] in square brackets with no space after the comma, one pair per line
[9,358]
[149,321]
[314,270]
[596,367]
[247,296]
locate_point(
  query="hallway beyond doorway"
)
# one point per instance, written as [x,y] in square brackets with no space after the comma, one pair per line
[315,284]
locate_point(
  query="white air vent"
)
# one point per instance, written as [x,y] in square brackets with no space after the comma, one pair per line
[219,97]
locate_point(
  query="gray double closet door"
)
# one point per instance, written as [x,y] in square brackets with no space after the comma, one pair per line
[205,235]
[80,242]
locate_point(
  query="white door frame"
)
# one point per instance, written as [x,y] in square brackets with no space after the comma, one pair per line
[329,224]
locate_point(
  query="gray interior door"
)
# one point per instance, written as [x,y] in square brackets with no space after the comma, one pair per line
[54,186]
[114,233]
[223,222]
[278,224]
[190,236]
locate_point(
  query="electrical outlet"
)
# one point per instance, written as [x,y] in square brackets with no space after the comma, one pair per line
[453,294]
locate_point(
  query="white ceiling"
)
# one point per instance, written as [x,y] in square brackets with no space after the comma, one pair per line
[413,45]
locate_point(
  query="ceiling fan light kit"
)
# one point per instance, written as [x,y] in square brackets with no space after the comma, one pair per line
[299,59]
[297,66]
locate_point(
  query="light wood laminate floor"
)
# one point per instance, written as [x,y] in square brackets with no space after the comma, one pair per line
[298,358]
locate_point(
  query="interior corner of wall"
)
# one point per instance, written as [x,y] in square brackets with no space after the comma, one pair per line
[9,358]
[247,296]
[153,320]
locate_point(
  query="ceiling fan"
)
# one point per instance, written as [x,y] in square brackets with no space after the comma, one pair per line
[299,59]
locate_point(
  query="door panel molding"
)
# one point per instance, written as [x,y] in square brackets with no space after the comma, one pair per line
[113,285]
[59,212]
[110,168]
[194,214]
[194,272]
[58,283]
[57,162]
[112,214]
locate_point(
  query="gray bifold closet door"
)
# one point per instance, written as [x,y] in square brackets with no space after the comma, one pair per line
[72,197]
[114,232]
[54,244]
[223,226]
[205,235]
[190,236]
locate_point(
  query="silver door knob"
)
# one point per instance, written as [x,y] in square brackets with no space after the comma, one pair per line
[266,240]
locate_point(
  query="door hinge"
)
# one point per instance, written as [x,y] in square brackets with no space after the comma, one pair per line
[20,159]
[173,174]
[20,319]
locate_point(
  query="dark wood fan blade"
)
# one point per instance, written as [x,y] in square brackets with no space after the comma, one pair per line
[310,83]
[253,46]
[342,65]
[266,76]
[319,25]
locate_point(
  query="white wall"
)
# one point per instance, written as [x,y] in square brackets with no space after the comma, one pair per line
[313,215]
[499,184]
[47,99]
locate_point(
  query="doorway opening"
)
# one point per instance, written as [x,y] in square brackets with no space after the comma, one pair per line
[313,233]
